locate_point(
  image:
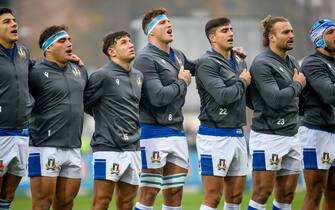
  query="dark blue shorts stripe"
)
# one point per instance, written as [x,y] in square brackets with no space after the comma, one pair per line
[100,169]
[234,132]
[34,164]
[144,158]
[149,131]
[20,132]
[206,165]
[310,158]
[258,160]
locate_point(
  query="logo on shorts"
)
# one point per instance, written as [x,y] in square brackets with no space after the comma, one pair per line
[115,169]
[156,158]
[274,159]
[51,164]
[222,164]
[2,166]
[325,158]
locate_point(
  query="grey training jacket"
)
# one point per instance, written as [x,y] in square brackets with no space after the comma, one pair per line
[318,97]
[15,100]
[57,116]
[163,94]
[221,91]
[112,97]
[274,94]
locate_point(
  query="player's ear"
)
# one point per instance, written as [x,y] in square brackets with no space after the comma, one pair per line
[111,52]
[212,37]
[271,37]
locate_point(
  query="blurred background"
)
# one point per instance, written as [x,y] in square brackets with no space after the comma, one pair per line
[89,20]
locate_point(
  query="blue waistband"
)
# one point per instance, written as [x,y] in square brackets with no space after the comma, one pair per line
[235,132]
[149,131]
[21,132]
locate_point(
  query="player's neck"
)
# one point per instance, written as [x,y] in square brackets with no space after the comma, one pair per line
[56,61]
[326,52]
[161,45]
[226,53]
[280,52]
[124,64]
[6,44]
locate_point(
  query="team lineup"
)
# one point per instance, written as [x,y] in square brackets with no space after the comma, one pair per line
[139,146]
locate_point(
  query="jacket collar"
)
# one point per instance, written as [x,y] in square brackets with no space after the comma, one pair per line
[54,66]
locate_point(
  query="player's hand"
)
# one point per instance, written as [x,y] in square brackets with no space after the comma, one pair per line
[77,60]
[299,77]
[185,75]
[240,52]
[246,76]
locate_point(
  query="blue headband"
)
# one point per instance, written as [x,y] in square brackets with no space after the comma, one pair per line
[52,39]
[317,32]
[154,22]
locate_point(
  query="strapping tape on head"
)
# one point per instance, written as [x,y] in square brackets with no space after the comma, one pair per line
[318,30]
[154,23]
[52,39]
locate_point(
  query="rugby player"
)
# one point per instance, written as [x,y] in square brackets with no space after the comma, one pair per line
[112,97]
[275,89]
[57,85]
[318,125]
[222,82]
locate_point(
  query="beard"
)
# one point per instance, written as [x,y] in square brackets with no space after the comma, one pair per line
[330,47]
[286,47]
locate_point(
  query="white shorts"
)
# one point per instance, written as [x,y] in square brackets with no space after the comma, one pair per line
[275,153]
[13,155]
[117,166]
[54,162]
[162,144]
[222,155]
[319,148]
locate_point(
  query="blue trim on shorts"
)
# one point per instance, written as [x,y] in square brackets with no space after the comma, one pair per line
[206,165]
[100,169]
[310,158]
[234,132]
[20,132]
[149,131]
[275,207]
[34,164]
[258,160]
[251,208]
[144,158]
